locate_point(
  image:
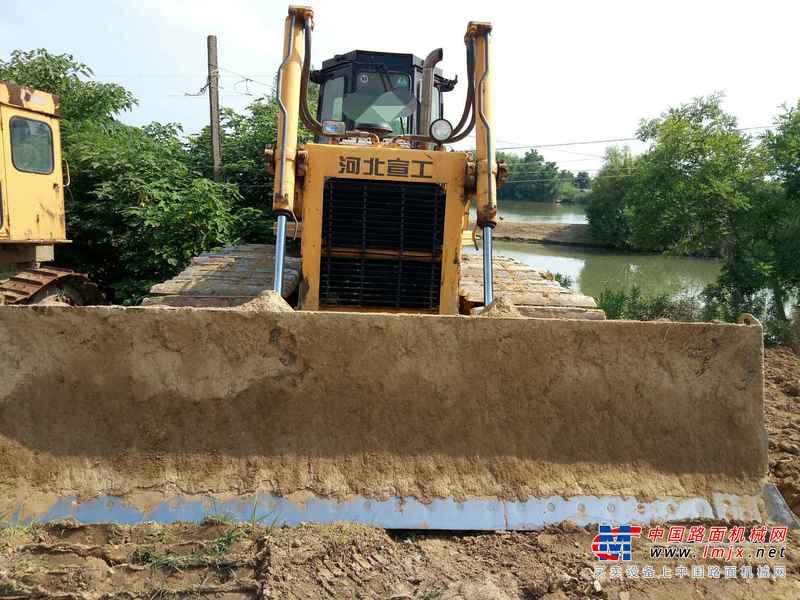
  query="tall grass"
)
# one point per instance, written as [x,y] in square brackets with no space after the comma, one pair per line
[632,304]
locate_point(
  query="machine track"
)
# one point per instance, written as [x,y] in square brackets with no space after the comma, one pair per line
[49,285]
[228,277]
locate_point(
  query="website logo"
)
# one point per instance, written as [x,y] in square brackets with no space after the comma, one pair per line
[614,543]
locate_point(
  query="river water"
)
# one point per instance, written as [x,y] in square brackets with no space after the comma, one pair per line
[594,269]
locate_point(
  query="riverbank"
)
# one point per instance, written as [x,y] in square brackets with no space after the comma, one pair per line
[570,234]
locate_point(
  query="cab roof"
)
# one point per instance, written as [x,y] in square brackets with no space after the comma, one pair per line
[27,98]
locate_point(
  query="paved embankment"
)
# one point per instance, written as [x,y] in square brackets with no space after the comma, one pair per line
[576,234]
[532,291]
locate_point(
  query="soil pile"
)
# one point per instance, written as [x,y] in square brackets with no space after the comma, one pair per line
[782,408]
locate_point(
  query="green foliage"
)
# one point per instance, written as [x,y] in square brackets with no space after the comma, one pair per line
[679,196]
[694,174]
[583,181]
[632,304]
[141,203]
[606,213]
[761,271]
[244,137]
[137,211]
[61,74]
[703,188]
[224,543]
[565,280]
[531,178]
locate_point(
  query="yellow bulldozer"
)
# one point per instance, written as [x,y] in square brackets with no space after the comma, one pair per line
[380,373]
[32,222]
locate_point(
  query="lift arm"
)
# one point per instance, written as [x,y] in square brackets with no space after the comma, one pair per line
[478,34]
[289,76]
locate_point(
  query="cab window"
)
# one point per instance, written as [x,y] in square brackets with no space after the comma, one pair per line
[31,146]
[381,98]
[332,94]
[436,108]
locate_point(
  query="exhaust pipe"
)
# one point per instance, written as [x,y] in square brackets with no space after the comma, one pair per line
[426,96]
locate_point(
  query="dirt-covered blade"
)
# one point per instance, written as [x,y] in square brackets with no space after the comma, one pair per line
[364,416]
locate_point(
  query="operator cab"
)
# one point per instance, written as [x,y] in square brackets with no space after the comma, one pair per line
[378,92]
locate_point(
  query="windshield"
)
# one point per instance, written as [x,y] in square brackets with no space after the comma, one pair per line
[381,98]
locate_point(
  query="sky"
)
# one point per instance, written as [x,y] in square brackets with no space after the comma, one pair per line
[564,72]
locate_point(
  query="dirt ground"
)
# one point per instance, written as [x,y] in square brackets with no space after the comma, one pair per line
[782,400]
[222,560]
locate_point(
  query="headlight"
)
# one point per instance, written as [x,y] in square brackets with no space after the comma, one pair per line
[333,127]
[441,129]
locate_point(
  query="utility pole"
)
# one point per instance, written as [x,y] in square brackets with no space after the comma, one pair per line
[213,101]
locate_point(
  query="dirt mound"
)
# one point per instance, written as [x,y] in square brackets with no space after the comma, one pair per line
[501,307]
[218,560]
[782,408]
[268,301]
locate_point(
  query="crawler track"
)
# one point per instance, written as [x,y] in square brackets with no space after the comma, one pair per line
[49,285]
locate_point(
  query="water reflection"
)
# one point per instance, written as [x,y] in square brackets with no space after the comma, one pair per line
[595,269]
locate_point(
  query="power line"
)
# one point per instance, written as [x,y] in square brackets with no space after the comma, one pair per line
[600,156]
[247,78]
[556,179]
[569,160]
[606,141]
[584,143]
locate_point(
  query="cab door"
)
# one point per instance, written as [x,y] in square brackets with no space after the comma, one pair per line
[33,181]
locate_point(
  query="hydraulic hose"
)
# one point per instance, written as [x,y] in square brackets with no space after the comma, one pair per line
[308,119]
[305,114]
[469,105]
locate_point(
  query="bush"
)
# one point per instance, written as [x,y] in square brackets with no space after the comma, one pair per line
[137,212]
[727,303]
[565,280]
[141,204]
[633,305]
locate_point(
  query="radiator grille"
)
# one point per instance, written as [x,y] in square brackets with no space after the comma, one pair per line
[364,282]
[382,244]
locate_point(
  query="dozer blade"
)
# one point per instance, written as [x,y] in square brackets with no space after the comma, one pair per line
[110,414]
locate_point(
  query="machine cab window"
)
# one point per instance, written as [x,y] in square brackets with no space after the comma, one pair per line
[381,100]
[31,146]
[375,91]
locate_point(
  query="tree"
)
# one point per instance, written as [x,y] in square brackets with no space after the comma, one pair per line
[606,212]
[139,212]
[582,180]
[532,178]
[761,272]
[244,137]
[60,74]
[137,209]
[690,180]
